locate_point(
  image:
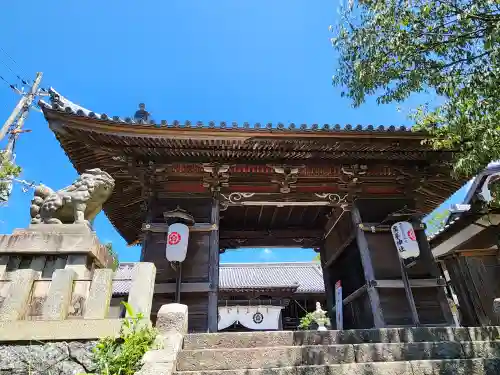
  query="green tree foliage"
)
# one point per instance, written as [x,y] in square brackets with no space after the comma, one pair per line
[436,220]
[8,170]
[393,48]
[116,263]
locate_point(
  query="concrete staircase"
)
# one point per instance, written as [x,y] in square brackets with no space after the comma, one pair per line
[416,351]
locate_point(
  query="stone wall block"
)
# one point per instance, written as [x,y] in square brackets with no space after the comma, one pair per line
[4,260]
[16,302]
[59,297]
[496,306]
[172,318]
[140,297]
[99,298]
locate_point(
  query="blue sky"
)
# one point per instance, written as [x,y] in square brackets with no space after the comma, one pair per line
[221,60]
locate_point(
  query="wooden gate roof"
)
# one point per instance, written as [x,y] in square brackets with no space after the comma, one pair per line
[176,153]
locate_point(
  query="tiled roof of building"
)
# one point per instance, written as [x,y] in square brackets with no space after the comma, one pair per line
[62,104]
[123,278]
[449,224]
[306,277]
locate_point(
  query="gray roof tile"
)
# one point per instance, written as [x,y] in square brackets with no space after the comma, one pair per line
[123,279]
[62,104]
[308,276]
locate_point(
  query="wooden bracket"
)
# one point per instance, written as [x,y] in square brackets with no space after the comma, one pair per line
[414,283]
[163,227]
[378,228]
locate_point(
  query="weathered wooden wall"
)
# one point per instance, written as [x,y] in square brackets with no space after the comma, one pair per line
[476,282]
[367,264]
[199,270]
[431,302]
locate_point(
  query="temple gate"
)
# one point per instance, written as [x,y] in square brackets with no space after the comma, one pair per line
[335,190]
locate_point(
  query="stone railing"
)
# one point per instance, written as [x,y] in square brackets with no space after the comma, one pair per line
[73,304]
[172,326]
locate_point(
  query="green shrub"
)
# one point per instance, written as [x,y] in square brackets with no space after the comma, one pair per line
[122,355]
[306,321]
[116,263]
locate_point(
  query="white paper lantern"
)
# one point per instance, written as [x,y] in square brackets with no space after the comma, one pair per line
[177,242]
[405,239]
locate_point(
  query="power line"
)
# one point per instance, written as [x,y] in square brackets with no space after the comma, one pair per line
[20,113]
[24,81]
[13,126]
[12,86]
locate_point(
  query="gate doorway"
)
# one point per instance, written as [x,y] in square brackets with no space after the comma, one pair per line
[282,289]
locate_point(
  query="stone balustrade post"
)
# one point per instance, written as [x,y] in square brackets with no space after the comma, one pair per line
[16,302]
[172,325]
[58,299]
[4,260]
[496,306]
[97,304]
[172,319]
[140,296]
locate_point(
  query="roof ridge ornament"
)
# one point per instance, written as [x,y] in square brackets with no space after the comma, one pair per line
[141,115]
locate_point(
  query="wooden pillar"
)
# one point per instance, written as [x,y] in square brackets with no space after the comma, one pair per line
[213,276]
[327,279]
[432,267]
[147,235]
[373,295]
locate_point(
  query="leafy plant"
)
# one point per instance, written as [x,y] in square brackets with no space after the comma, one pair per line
[8,171]
[393,49]
[307,320]
[122,355]
[436,220]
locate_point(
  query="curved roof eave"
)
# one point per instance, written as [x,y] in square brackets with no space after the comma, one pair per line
[63,106]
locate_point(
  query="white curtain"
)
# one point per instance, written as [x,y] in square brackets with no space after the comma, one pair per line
[257,318]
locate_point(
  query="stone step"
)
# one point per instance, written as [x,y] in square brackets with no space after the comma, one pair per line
[287,356]
[424,367]
[291,338]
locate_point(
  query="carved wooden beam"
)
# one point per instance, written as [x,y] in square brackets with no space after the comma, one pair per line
[163,227]
[216,176]
[286,176]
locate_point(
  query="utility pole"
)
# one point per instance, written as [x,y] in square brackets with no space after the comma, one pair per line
[21,113]
[15,123]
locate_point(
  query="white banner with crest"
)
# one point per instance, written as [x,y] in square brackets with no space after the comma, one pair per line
[259,318]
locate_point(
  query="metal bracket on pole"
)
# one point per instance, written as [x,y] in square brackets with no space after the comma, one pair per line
[178,283]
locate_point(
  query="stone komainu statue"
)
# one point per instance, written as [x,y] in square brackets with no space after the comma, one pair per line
[78,203]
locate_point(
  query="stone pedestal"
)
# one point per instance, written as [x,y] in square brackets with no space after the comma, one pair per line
[59,240]
[45,250]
